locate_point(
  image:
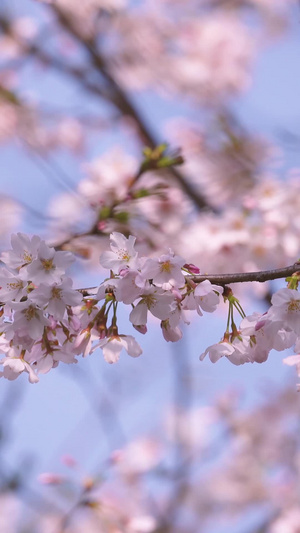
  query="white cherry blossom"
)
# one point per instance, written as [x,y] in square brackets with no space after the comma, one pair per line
[208,296]
[216,351]
[122,253]
[204,297]
[112,347]
[13,367]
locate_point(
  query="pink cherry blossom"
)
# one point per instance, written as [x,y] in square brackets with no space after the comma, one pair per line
[171,334]
[164,271]
[56,297]
[28,320]
[127,291]
[49,266]
[43,362]
[285,309]
[11,286]
[83,342]
[205,296]
[24,250]
[158,302]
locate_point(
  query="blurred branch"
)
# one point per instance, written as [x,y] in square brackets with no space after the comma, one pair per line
[154,159]
[183,401]
[51,169]
[104,408]
[76,73]
[120,99]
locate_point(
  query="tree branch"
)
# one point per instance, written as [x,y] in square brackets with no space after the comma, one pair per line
[227,279]
[121,100]
[242,277]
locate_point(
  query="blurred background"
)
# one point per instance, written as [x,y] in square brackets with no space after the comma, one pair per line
[163,443]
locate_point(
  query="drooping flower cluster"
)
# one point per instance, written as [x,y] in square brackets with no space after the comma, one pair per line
[160,287]
[152,286]
[36,315]
[45,321]
[258,334]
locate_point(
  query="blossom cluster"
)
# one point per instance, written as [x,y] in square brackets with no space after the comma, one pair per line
[37,316]
[205,58]
[258,334]
[256,229]
[144,46]
[45,321]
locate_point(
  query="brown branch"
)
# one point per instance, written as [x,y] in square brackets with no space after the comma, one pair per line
[227,279]
[243,277]
[77,73]
[113,94]
[122,102]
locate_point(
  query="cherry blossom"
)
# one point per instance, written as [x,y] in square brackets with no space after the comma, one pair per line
[205,296]
[286,309]
[208,296]
[24,251]
[43,362]
[130,286]
[112,347]
[28,319]
[228,206]
[165,272]
[172,334]
[223,204]
[56,297]
[11,286]
[49,266]
[216,351]
[122,255]
[83,341]
[157,301]
[13,367]
[51,322]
